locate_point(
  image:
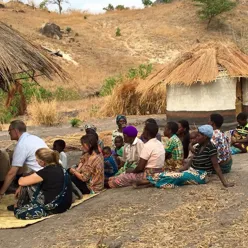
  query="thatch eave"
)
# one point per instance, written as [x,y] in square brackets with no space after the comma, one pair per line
[201,64]
[18,55]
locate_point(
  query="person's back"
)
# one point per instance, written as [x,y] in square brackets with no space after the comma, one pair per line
[25,149]
[4,165]
[154,153]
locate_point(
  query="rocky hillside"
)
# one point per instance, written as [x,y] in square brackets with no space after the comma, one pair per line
[155,34]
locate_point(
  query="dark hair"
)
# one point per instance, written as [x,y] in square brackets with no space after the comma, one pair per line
[120,138]
[151,129]
[92,132]
[173,126]
[60,143]
[185,124]
[151,120]
[19,125]
[91,141]
[217,119]
[242,117]
[107,148]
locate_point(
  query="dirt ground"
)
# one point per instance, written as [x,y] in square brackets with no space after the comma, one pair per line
[190,216]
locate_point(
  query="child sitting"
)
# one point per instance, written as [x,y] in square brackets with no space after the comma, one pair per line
[240,135]
[110,165]
[59,146]
[173,148]
[119,148]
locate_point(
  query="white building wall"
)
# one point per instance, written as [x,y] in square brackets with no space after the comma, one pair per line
[219,95]
[245,92]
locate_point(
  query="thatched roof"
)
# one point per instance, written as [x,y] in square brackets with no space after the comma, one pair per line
[202,64]
[17,55]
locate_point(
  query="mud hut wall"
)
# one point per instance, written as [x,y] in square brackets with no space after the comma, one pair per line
[245,94]
[195,103]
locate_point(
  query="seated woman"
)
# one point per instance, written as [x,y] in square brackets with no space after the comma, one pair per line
[150,120]
[46,192]
[88,176]
[173,148]
[184,136]
[240,135]
[132,149]
[91,129]
[204,161]
[121,122]
[151,160]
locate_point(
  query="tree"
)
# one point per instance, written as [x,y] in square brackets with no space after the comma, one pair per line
[109,8]
[57,2]
[212,8]
[120,7]
[147,3]
[43,4]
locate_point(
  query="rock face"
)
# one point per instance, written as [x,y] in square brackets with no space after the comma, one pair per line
[51,30]
[2,6]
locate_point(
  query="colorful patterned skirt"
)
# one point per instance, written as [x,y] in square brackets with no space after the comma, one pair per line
[127,179]
[172,179]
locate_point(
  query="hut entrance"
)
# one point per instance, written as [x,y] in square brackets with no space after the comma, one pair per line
[239,96]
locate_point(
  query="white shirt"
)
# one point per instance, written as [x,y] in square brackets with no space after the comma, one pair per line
[25,149]
[63,160]
[154,153]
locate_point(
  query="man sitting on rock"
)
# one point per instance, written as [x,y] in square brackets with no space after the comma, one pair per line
[24,154]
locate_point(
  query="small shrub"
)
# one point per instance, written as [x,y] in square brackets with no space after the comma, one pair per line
[142,71]
[43,112]
[75,122]
[120,7]
[68,29]
[85,17]
[62,94]
[108,85]
[118,32]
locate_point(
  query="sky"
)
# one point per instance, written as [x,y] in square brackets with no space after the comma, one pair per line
[96,6]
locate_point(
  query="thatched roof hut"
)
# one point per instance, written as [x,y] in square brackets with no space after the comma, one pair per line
[209,78]
[18,55]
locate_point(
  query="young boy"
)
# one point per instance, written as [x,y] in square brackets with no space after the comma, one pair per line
[173,148]
[119,146]
[59,146]
[240,135]
[110,165]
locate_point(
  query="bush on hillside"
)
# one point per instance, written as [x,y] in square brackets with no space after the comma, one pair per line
[110,7]
[118,32]
[212,8]
[147,3]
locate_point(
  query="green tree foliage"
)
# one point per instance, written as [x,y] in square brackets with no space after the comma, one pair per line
[110,7]
[43,4]
[120,7]
[212,8]
[147,3]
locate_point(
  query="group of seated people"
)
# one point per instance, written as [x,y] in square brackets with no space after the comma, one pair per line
[183,156]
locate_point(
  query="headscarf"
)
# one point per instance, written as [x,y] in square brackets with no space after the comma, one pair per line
[130,131]
[120,117]
[90,126]
[206,130]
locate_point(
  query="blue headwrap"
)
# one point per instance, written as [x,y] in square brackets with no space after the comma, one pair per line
[120,117]
[206,130]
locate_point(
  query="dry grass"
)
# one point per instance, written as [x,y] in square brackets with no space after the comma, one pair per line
[43,112]
[127,100]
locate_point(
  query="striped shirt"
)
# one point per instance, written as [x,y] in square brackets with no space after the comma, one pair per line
[202,160]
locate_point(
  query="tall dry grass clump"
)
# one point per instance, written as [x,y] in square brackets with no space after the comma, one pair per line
[43,112]
[126,99]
